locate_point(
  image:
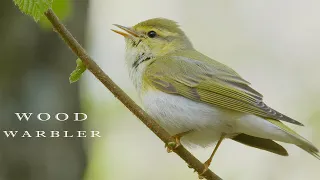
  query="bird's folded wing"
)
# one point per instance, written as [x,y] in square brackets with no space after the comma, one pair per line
[202,79]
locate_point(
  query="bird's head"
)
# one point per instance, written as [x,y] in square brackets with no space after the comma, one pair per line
[156,37]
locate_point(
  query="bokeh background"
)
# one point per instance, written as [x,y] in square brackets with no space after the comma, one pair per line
[273,44]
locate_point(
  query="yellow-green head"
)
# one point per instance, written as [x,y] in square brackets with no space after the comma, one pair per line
[155,37]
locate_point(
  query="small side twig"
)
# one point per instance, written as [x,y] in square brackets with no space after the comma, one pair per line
[123,97]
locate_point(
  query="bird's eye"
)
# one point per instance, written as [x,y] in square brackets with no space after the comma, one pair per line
[152,34]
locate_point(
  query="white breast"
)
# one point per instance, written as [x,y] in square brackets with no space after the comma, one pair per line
[178,114]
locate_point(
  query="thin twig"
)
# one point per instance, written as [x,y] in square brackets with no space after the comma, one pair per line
[123,97]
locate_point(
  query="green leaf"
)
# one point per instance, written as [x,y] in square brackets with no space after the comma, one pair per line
[76,74]
[62,8]
[34,8]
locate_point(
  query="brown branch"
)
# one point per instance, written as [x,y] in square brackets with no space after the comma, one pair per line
[123,97]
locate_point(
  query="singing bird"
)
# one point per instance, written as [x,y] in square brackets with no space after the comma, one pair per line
[197,99]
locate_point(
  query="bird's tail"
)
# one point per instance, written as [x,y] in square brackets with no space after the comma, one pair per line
[297,139]
[310,149]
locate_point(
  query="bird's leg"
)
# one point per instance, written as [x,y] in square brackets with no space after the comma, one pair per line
[176,144]
[208,162]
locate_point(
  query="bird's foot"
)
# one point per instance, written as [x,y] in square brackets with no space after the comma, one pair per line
[206,167]
[173,145]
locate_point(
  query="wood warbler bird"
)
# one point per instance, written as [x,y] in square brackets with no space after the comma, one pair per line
[198,99]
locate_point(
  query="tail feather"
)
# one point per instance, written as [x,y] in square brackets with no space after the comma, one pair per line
[298,140]
[261,143]
[312,151]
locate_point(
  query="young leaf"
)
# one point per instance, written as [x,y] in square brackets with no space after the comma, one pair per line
[76,74]
[34,8]
[62,8]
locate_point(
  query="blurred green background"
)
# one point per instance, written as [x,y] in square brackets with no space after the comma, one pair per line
[273,44]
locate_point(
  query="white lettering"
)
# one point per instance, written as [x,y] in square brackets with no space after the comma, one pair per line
[95,134]
[11,133]
[24,115]
[39,116]
[40,133]
[26,133]
[54,134]
[81,134]
[66,134]
[76,117]
[65,116]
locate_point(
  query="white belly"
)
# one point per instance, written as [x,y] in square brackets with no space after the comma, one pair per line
[177,114]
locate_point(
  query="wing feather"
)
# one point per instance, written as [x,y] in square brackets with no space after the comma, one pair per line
[208,81]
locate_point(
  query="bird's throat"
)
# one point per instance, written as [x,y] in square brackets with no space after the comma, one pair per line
[137,62]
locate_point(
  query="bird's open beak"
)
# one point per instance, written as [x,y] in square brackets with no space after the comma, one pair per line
[130,31]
